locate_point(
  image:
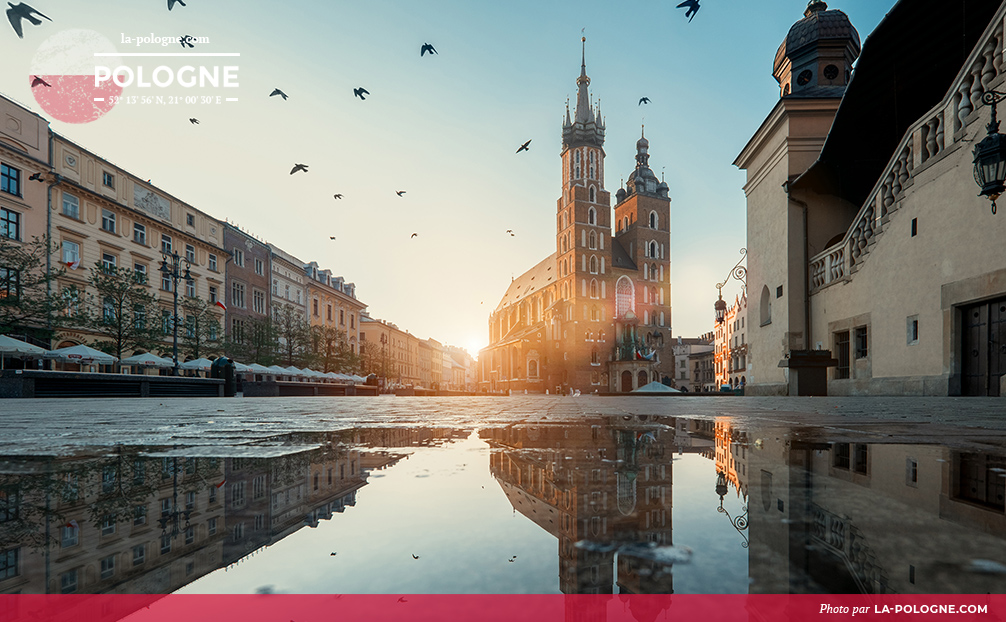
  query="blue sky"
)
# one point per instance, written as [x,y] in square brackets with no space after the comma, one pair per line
[444,129]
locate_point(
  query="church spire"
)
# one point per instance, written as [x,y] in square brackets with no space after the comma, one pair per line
[583,112]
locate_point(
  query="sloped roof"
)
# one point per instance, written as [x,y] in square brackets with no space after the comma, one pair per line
[620,258]
[531,281]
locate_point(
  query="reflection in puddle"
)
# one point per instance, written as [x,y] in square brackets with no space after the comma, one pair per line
[611,504]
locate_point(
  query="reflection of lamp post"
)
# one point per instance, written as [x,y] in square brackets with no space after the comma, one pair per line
[170,521]
[990,154]
[740,523]
[173,271]
[738,272]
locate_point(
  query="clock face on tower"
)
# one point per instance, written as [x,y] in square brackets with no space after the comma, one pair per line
[831,72]
[804,77]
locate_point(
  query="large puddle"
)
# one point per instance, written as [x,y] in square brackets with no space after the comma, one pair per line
[610,504]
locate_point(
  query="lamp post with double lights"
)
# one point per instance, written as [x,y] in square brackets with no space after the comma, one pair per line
[740,523]
[738,272]
[990,154]
[171,268]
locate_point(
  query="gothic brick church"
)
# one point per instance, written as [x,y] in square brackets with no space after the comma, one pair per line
[595,315]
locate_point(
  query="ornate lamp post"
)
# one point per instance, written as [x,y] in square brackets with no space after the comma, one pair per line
[990,154]
[171,267]
[738,272]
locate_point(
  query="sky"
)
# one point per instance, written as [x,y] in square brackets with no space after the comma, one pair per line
[444,128]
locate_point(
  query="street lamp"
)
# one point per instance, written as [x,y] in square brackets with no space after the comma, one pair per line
[171,520]
[990,154]
[171,267]
[740,523]
[738,272]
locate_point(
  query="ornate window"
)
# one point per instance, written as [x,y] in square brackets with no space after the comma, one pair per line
[576,167]
[624,297]
[532,368]
[593,174]
[593,264]
[593,198]
[593,288]
[653,220]
[591,214]
[593,240]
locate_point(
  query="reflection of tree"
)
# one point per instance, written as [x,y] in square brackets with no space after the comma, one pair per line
[37,502]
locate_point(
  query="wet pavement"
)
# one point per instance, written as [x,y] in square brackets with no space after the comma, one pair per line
[526,494]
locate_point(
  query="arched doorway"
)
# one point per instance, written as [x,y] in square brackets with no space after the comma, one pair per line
[643,379]
[626,381]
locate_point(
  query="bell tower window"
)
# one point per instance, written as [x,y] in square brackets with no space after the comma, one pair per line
[576,165]
[593,173]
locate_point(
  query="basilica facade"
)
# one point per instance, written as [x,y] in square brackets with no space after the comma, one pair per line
[595,315]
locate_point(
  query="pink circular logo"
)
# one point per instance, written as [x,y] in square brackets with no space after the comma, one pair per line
[62,76]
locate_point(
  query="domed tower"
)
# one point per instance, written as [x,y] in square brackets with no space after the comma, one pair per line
[818,52]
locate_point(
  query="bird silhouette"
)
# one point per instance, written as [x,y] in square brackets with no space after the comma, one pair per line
[360,92]
[399,192]
[414,556]
[194,121]
[402,600]
[524,147]
[278,92]
[20,11]
[331,237]
[298,167]
[427,48]
[692,6]
[38,81]
[333,554]
[186,40]
[509,230]
[171,3]
[336,196]
[412,236]
[36,177]
[643,100]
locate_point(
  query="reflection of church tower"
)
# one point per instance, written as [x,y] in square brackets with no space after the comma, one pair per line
[583,228]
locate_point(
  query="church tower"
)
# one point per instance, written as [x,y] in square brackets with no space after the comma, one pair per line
[583,235]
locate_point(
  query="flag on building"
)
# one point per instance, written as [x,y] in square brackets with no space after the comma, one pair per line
[221,304]
[73,265]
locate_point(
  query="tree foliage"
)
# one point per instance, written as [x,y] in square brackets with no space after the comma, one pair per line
[28,293]
[121,311]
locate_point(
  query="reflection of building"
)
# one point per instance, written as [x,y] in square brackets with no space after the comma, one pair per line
[603,484]
[594,315]
[94,525]
[849,515]
[854,248]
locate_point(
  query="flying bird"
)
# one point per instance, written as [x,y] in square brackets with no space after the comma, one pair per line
[298,167]
[36,177]
[402,599]
[194,121]
[427,48]
[412,236]
[399,192]
[171,3]
[643,100]
[524,147]
[331,237]
[333,554]
[692,6]
[414,556]
[336,196]
[21,11]
[38,81]
[277,92]
[360,92]
[186,40]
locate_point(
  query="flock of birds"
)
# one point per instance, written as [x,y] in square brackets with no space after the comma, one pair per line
[18,13]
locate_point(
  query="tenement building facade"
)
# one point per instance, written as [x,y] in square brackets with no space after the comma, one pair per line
[596,314]
[867,241]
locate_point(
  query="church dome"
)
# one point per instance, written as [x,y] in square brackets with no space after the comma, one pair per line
[642,143]
[818,24]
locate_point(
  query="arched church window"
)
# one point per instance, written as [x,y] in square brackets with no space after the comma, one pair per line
[591,213]
[576,165]
[593,288]
[593,195]
[593,264]
[653,220]
[653,249]
[654,274]
[593,240]
[766,306]
[532,368]
[624,296]
[625,223]
[593,170]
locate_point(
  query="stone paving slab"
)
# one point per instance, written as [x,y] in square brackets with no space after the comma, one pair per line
[57,426]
